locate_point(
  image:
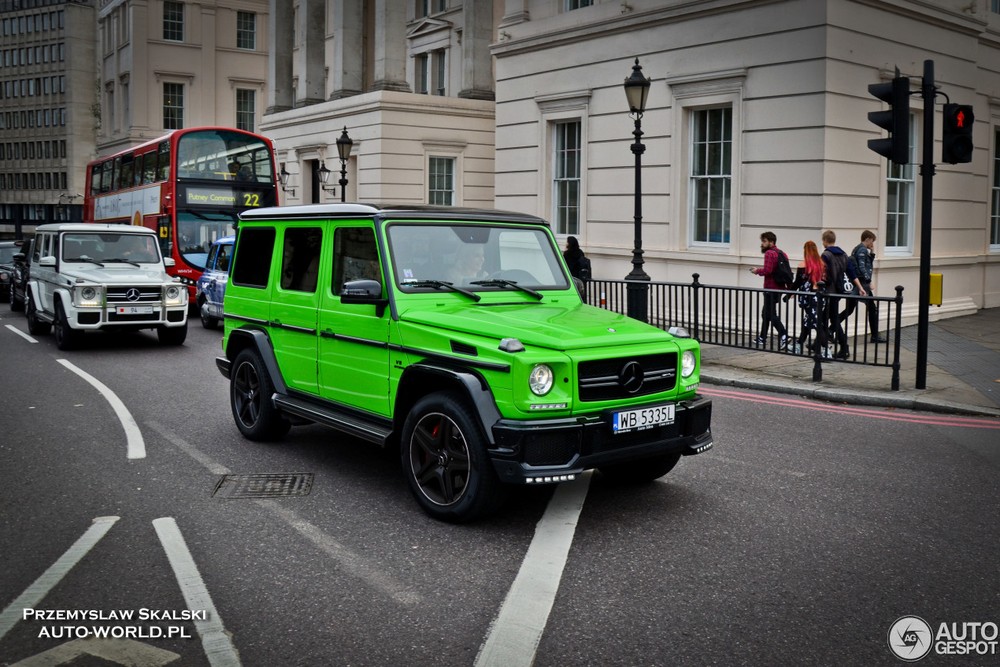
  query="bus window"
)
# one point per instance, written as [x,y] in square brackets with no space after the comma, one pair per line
[106,172]
[163,162]
[149,167]
[95,179]
[125,175]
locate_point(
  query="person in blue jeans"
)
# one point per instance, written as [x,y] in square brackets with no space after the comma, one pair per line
[863,257]
[769,313]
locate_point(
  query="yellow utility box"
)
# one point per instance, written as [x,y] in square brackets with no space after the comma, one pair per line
[935,295]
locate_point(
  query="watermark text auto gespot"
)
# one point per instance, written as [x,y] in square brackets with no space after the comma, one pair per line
[144,623]
[911,638]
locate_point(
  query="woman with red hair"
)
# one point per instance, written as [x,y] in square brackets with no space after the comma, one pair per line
[809,279]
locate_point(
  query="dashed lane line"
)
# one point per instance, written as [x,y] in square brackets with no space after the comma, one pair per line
[515,633]
[21,334]
[136,445]
[52,576]
[218,646]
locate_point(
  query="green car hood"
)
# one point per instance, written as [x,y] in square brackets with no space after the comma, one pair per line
[550,326]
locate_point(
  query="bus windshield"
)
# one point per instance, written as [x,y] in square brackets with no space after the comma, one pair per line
[196,230]
[221,155]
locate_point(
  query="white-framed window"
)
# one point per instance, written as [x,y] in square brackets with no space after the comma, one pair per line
[246,109]
[246,30]
[173,21]
[711,175]
[428,7]
[900,204]
[995,194]
[430,73]
[173,106]
[441,180]
[569,5]
[567,175]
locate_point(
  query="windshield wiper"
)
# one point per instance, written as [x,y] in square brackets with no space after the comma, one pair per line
[83,259]
[499,282]
[438,284]
[123,261]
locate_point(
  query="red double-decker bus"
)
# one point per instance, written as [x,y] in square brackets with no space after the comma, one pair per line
[188,185]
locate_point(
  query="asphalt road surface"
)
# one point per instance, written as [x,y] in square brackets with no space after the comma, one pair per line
[800,538]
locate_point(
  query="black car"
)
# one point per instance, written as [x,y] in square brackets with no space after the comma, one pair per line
[7,251]
[17,275]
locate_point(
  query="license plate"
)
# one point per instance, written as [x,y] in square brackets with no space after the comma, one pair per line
[133,310]
[643,418]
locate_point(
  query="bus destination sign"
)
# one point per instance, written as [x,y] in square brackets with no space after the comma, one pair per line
[221,196]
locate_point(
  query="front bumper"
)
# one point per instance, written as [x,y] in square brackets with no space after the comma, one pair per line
[558,449]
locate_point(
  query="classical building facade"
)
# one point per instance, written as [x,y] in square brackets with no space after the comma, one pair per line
[47,118]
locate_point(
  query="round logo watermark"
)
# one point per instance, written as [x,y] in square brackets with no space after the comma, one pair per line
[910,638]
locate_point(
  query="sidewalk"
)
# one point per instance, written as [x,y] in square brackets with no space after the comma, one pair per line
[963,370]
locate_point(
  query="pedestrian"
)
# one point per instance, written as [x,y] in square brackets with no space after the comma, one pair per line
[809,280]
[842,280]
[579,265]
[863,257]
[769,313]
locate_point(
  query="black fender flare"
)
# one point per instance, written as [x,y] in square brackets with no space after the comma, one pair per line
[424,377]
[257,339]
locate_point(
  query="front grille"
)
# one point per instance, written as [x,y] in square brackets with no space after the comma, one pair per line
[551,449]
[147,294]
[627,377]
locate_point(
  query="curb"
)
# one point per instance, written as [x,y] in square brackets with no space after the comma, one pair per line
[848,396]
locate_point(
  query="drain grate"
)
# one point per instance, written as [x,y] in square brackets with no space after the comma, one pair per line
[264,485]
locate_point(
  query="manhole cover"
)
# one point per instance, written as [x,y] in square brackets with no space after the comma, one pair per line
[264,485]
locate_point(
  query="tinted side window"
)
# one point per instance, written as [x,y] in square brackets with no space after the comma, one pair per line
[223,262]
[300,258]
[212,254]
[253,264]
[355,257]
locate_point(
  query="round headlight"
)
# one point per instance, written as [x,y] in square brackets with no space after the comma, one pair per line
[540,380]
[88,293]
[688,363]
[173,292]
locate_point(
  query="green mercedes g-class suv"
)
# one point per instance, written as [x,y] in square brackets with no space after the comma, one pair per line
[458,337]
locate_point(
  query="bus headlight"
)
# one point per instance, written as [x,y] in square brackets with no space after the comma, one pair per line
[87,297]
[540,380]
[688,363]
[173,295]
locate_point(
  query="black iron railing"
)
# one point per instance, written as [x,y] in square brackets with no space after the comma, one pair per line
[732,316]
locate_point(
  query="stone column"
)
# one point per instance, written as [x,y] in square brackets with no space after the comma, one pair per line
[477,63]
[390,45]
[280,95]
[310,66]
[347,49]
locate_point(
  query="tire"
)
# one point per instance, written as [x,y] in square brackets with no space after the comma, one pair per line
[250,391]
[67,338]
[172,335]
[641,471]
[207,320]
[444,458]
[15,305]
[36,327]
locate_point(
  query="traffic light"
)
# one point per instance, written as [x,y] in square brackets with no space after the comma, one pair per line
[896,94]
[956,133]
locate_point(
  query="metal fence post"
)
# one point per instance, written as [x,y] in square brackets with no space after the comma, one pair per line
[897,336]
[817,352]
[696,306]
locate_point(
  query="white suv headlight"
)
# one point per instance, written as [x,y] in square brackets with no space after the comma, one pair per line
[540,380]
[174,295]
[87,296]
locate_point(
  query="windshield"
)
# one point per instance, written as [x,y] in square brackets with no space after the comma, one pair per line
[110,247]
[197,230]
[220,155]
[465,255]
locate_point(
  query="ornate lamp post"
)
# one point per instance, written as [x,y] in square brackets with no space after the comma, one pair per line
[344,144]
[636,91]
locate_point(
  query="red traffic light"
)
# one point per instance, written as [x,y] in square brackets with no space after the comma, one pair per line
[956,133]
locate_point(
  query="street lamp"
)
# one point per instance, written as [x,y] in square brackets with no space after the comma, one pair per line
[344,144]
[283,176]
[636,92]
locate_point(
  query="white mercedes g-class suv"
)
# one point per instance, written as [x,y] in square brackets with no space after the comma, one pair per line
[99,276]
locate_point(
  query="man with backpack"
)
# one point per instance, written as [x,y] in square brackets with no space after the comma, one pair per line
[777,276]
[842,280]
[863,257]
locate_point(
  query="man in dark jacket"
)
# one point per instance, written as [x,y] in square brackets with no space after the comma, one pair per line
[863,257]
[837,265]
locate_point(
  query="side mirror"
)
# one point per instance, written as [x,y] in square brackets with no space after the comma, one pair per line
[364,292]
[169,261]
[18,257]
[48,260]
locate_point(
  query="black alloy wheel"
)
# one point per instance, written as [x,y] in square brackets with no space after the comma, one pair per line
[250,391]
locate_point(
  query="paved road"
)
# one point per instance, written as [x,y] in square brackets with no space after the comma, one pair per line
[800,538]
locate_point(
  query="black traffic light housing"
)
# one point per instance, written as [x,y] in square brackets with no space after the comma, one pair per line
[896,94]
[956,133]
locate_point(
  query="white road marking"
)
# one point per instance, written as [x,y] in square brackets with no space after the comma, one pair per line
[52,576]
[21,334]
[356,565]
[133,436]
[218,646]
[514,634]
[119,651]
